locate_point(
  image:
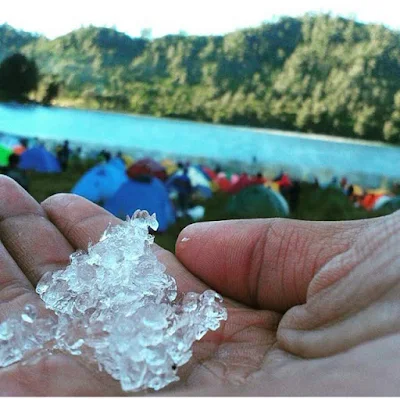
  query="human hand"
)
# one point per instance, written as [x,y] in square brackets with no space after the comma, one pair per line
[335,286]
[39,238]
[265,266]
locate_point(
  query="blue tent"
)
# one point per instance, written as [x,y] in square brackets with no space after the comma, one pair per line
[117,163]
[39,159]
[102,181]
[150,196]
[201,170]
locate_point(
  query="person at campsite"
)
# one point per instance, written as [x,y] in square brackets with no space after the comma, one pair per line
[350,192]
[78,152]
[182,185]
[285,184]
[343,183]
[21,147]
[334,182]
[63,154]
[294,195]
[15,172]
[312,306]
[105,155]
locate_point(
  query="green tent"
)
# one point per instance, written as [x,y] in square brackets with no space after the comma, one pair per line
[5,152]
[257,202]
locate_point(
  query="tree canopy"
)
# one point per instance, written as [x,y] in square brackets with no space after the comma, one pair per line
[18,76]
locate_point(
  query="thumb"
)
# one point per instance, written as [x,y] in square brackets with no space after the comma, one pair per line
[264,263]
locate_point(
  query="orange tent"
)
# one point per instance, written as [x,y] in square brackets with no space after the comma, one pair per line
[368,201]
[19,149]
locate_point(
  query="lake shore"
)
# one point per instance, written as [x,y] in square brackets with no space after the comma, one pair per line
[323,136]
[236,148]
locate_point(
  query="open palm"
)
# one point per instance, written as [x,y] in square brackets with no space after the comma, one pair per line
[312,307]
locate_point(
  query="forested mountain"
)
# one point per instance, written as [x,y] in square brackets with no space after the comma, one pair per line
[12,40]
[314,74]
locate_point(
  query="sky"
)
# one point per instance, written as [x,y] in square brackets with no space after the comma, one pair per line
[197,17]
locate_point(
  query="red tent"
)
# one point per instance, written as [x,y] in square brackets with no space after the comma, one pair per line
[258,180]
[243,182]
[147,166]
[224,184]
[368,202]
[208,171]
[285,181]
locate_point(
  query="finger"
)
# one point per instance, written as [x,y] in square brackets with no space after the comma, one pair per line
[265,263]
[81,222]
[30,238]
[15,288]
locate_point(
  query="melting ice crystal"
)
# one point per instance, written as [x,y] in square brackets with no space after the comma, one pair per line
[116,307]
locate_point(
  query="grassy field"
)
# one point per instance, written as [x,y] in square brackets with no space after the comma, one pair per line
[314,204]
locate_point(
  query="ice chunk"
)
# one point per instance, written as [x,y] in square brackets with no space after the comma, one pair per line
[29,314]
[116,306]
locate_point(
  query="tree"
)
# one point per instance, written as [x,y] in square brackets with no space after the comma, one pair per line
[51,93]
[391,129]
[18,76]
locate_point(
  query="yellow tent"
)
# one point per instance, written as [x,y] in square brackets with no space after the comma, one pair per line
[379,191]
[214,186]
[358,190]
[272,185]
[129,161]
[170,166]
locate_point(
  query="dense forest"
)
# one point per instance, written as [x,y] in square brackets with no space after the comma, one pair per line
[318,74]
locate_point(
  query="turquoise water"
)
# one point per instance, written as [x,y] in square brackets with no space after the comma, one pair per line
[200,139]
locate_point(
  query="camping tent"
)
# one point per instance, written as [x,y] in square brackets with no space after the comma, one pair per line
[19,149]
[198,181]
[39,159]
[4,154]
[151,196]
[147,166]
[117,163]
[257,201]
[128,160]
[102,181]
[382,201]
[223,182]
[202,170]
[169,165]
[392,205]
[209,172]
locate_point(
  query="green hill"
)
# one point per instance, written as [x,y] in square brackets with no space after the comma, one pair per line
[12,40]
[314,74]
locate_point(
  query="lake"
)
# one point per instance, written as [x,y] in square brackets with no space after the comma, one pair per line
[307,153]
